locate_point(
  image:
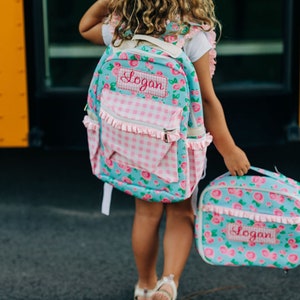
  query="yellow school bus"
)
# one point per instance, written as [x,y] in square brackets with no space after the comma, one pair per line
[14,122]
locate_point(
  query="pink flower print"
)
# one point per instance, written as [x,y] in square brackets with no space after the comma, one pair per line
[237,192]
[217,194]
[297,203]
[133,63]
[251,256]
[125,168]
[156,182]
[126,180]
[147,197]
[259,224]
[109,163]
[104,171]
[184,165]
[292,243]
[166,200]
[195,92]
[90,101]
[237,206]
[207,234]
[209,252]
[182,82]
[278,212]
[293,258]
[200,120]
[282,252]
[175,102]
[123,55]
[271,255]
[258,197]
[170,65]
[175,27]
[252,208]
[149,65]
[241,249]
[116,69]
[239,222]
[183,184]
[217,219]
[227,251]
[176,86]
[170,38]
[196,107]
[128,192]
[159,73]
[146,175]
[231,191]
[106,86]
[208,237]
[279,228]
[298,228]
[276,197]
[258,180]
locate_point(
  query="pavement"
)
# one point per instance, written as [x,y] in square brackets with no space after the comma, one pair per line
[55,244]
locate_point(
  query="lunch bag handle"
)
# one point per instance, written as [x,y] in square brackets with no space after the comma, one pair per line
[278,176]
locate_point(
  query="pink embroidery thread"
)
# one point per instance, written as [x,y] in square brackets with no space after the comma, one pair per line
[137,81]
[240,233]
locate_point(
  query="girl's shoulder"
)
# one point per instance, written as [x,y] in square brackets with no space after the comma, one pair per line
[195,38]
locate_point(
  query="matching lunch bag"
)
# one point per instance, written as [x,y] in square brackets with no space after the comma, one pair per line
[250,221]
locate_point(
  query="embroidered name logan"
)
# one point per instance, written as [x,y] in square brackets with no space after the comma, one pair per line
[250,234]
[138,81]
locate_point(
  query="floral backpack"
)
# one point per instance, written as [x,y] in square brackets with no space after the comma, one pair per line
[144,121]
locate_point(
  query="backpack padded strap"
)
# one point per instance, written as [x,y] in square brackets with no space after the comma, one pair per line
[171,49]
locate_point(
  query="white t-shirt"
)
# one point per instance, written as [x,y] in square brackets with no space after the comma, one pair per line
[194,48]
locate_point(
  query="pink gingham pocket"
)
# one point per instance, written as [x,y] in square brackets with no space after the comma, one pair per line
[141,133]
[93,136]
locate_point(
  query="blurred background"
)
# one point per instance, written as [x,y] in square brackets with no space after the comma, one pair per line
[46,67]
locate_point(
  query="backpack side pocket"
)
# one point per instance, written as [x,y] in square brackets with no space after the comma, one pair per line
[93,135]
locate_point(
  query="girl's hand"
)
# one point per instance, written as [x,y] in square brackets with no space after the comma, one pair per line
[236,161]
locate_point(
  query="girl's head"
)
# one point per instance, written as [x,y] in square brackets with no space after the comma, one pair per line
[150,16]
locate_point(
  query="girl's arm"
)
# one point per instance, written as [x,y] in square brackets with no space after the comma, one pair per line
[90,26]
[235,159]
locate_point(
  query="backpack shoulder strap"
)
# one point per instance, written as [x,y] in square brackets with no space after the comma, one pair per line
[171,49]
[210,35]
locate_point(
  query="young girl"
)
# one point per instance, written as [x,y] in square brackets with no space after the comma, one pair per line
[116,20]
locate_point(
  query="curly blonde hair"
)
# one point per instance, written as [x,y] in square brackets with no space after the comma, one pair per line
[151,16]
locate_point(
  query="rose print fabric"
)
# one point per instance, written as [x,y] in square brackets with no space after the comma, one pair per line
[145,104]
[250,221]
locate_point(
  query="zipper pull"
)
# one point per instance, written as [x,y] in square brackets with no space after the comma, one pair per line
[166,134]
